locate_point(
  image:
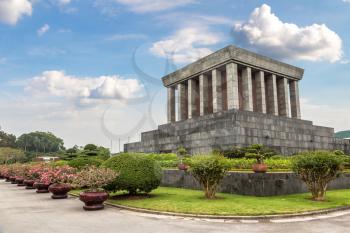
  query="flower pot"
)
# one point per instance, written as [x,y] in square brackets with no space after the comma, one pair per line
[41,187]
[29,184]
[2,177]
[59,191]
[182,166]
[19,181]
[13,179]
[93,200]
[259,168]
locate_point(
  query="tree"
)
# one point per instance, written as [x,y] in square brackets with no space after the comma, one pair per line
[40,142]
[7,140]
[317,169]
[11,155]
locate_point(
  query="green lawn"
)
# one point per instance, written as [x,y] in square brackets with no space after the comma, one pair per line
[192,201]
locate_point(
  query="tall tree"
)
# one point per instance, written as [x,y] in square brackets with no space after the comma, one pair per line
[40,142]
[7,140]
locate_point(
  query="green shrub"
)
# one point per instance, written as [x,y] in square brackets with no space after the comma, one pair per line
[232,153]
[272,163]
[82,162]
[137,173]
[209,170]
[317,169]
[90,147]
[162,157]
[259,152]
[59,163]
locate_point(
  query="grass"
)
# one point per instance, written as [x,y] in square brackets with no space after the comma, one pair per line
[192,201]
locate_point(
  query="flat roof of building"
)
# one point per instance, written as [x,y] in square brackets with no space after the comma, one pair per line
[237,55]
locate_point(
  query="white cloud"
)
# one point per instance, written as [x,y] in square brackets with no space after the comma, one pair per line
[63,2]
[267,33]
[337,117]
[57,83]
[13,10]
[186,45]
[41,31]
[143,6]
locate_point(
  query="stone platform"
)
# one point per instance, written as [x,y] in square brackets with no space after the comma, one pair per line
[223,130]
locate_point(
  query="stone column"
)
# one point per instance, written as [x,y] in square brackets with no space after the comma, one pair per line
[294,99]
[247,89]
[232,86]
[203,94]
[283,97]
[217,90]
[260,96]
[182,89]
[272,107]
[171,104]
[192,96]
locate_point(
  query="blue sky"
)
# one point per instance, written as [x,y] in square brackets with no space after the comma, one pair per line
[78,67]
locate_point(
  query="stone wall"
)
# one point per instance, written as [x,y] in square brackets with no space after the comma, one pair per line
[223,130]
[253,184]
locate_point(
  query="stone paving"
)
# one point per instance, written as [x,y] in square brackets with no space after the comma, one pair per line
[24,211]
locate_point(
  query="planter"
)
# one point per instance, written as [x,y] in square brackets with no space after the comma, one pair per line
[7,179]
[93,200]
[182,166]
[19,181]
[29,184]
[13,179]
[41,187]
[260,168]
[59,191]
[1,177]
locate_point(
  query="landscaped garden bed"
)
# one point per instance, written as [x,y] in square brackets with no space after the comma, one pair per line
[192,202]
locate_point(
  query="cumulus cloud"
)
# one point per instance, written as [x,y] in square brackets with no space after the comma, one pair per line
[57,83]
[13,10]
[267,33]
[143,6]
[186,45]
[41,31]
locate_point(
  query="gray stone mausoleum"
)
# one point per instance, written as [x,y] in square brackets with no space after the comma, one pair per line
[235,97]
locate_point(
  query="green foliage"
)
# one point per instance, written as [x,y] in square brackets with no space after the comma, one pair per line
[317,169]
[258,152]
[209,170]
[90,147]
[10,155]
[40,142]
[272,163]
[137,173]
[181,151]
[59,163]
[7,140]
[232,153]
[82,162]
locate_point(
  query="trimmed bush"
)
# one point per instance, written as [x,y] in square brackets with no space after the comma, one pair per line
[82,162]
[137,173]
[317,169]
[209,170]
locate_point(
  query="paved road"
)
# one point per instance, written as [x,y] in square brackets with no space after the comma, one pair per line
[24,211]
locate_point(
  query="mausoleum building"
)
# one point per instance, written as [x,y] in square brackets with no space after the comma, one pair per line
[235,97]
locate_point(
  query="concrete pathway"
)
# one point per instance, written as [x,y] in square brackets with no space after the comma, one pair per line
[24,211]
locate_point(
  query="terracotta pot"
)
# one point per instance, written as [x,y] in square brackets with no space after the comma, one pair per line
[93,200]
[260,168]
[19,181]
[41,187]
[59,191]
[2,176]
[29,184]
[13,179]
[7,178]
[182,166]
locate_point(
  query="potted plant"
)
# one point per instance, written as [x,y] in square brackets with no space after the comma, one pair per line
[94,179]
[260,153]
[42,185]
[182,153]
[59,177]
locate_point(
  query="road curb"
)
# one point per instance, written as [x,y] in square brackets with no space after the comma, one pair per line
[228,217]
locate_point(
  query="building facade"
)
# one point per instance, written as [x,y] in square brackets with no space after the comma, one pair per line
[235,97]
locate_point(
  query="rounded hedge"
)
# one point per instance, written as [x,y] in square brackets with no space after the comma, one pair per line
[137,173]
[82,162]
